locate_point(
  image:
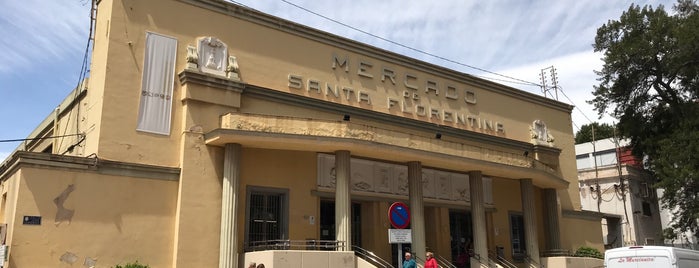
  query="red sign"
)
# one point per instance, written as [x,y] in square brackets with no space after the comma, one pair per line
[399,215]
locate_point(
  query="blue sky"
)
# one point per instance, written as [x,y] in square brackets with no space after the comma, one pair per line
[43,44]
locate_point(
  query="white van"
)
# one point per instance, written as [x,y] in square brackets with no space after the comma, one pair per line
[651,257]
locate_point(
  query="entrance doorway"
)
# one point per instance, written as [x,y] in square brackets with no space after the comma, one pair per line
[327,222]
[461,233]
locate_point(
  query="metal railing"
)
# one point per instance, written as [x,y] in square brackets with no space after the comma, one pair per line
[294,245]
[371,257]
[501,260]
[441,262]
[528,259]
[484,261]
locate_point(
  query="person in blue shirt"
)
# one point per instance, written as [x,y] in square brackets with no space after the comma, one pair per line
[409,262]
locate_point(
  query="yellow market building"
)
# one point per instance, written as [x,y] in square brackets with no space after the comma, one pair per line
[214,135]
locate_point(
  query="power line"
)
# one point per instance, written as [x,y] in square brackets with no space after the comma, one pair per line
[560,88]
[523,82]
[41,138]
[511,79]
[82,74]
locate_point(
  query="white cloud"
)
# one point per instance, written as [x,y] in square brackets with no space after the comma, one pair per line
[3,156]
[37,32]
[575,77]
[514,38]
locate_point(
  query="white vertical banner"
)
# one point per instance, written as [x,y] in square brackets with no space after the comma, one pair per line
[158,80]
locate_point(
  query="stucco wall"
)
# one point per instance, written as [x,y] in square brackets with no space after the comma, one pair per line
[581,232]
[91,217]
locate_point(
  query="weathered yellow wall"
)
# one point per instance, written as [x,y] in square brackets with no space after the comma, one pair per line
[264,63]
[198,218]
[116,76]
[295,171]
[98,75]
[10,189]
[581,232]
[375,228]
[437,232]
[114,219]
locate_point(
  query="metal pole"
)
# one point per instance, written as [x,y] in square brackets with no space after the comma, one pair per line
[400,255]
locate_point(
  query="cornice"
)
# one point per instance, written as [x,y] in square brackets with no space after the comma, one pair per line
[192,76]
[23,159]
[302,101]
[582,214]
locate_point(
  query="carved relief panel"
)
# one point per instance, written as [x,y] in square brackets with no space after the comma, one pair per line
[213,56]
[380,177]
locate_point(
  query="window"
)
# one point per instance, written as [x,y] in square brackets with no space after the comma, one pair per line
[646,209]
[646,190]
[517,237]
[266,214]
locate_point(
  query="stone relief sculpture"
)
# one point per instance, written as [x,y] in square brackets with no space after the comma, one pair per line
[387,178]
[443,183]
[402,181]
[361,175]
[382,174]
[213,56]
[460,187]
[428,183]
[540,134]
[333,177]
[192,58]
[232,70]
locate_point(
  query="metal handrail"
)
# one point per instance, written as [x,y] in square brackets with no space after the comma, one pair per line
[371,257]
[294,245]
[500,260]
[441,262]
[488,262]
[446,262]
[529,260]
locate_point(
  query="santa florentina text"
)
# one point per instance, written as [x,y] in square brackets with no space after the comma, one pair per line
[408,101]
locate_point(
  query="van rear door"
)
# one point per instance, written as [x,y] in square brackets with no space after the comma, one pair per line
[639,261]
[639,257]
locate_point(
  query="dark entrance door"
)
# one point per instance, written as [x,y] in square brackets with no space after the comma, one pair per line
[461,231]
[327,222]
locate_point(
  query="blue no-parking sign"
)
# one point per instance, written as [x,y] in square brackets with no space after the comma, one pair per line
[399,215]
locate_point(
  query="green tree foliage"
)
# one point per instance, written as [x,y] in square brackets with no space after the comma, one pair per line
[650,81]
[602,131]
[589,252]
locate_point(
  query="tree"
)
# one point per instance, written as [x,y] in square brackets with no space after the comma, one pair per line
[602,131]
[649,82]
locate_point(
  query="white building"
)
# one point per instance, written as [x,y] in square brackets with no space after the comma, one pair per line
[614,183]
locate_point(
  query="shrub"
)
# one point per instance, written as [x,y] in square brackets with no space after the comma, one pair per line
[588,252]
[132,265]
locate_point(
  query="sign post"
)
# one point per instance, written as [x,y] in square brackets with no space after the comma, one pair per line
[399,216]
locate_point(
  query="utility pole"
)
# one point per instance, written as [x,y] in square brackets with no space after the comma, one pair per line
[546,88]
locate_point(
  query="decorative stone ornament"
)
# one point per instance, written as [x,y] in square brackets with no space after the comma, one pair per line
[213,56]
[232,70]
[192,58]
[540,134]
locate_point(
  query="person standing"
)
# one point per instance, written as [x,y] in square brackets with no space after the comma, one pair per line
[409,262]
[430,262]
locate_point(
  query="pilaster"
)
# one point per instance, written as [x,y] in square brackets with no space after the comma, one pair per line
[343,201]
[417,209]
[228,249]
[532,241]
[480,240]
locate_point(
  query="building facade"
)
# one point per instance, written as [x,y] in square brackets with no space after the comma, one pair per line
[613,182]
[211,135]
